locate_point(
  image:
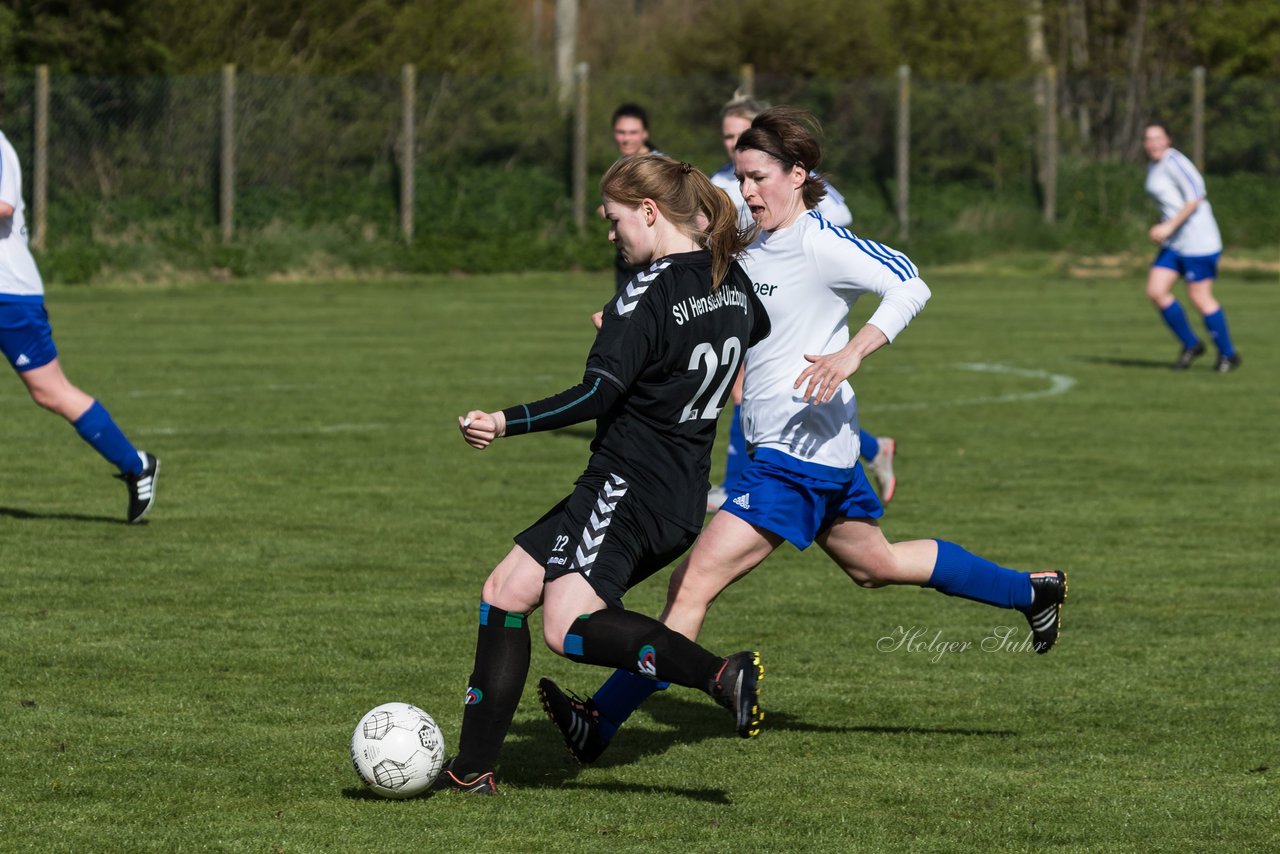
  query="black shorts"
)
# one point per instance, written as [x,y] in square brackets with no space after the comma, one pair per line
[606,534]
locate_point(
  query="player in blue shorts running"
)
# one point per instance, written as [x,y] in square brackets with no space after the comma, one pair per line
[877,451]
[1190,246]
[804,483]
[27,342]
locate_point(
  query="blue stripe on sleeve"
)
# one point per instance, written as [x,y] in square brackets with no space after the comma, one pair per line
[1188,171]
[897,262]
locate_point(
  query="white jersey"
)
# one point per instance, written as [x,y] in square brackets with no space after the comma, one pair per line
[18,274]
[808,276]
[1172,181]
[832,207]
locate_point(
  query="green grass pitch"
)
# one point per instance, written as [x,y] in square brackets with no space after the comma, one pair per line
[321,534]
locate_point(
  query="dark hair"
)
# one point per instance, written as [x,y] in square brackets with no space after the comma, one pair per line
[792,137]
[1158,124]
[630,110]
[681,192]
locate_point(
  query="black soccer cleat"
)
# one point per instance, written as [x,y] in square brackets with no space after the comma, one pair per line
[142,487]
[1048,592]
[737,688]
[471,784]
[577,719]
[1226,364]
[1187,356]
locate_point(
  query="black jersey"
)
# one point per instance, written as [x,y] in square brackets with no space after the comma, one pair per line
[660,370]
[674,349]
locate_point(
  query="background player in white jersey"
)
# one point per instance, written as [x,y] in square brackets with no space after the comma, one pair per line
[804,483]
[1190,246]
[27,342]
[655,381]
[735,117]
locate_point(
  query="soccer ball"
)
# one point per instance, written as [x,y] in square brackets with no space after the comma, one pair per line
[397,750]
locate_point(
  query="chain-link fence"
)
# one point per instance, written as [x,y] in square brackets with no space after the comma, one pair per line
[136,162]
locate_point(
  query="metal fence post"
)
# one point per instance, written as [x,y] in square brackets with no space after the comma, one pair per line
[408,87]
[1197,117]
[904,149]
[40,175]
[580,148]
[227,184]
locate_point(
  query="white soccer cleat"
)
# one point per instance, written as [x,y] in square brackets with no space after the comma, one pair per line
[882,469]
[716,498]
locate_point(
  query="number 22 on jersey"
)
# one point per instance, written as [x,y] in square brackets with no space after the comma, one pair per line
[707,407]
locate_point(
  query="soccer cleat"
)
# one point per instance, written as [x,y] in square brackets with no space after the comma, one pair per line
[471,784]
[1226,364]
[716,498]
[1048,592]
[577,719]
[737,688]
[882,469]
[142,487]
[1187,356]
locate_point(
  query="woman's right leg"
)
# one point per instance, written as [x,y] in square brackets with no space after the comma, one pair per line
[1160,282]
[512,590]
[727,550]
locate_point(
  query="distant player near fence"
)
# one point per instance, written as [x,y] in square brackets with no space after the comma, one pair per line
[1190,246]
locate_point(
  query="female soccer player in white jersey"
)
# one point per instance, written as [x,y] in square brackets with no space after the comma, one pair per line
[804,483]
[878,452]
[26,340]
[1190,246]
[657,376]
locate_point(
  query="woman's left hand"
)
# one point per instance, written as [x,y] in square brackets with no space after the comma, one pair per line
[1159,232]
[826,373]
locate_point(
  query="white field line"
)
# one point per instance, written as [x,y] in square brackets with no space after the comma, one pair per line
[1055,384]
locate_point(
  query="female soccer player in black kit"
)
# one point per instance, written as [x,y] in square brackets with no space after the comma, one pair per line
[657,376]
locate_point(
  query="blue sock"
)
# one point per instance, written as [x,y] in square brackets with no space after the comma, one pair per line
[1176,318]
[97,428]
[620,695]
[961,573]
[870,445]
[1217,326]
[737,459]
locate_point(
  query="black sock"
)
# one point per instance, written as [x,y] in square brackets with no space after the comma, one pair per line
[497,680]
[630,641]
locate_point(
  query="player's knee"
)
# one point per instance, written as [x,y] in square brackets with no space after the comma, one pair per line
[870,576]
[553,639]
[554,631]
[47,398]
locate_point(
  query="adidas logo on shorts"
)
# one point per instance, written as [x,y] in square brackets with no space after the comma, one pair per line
[22,361]
[743,501]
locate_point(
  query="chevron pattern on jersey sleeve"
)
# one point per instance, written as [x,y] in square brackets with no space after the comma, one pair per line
[601,515]
[629,296]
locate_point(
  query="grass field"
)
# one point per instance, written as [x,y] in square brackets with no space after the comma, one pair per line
[321,534]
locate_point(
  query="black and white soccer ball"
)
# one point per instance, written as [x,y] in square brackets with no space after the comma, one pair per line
[397,750]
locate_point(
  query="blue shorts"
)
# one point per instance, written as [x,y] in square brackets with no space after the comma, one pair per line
[1193,268]
[798,500]
[25,336]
